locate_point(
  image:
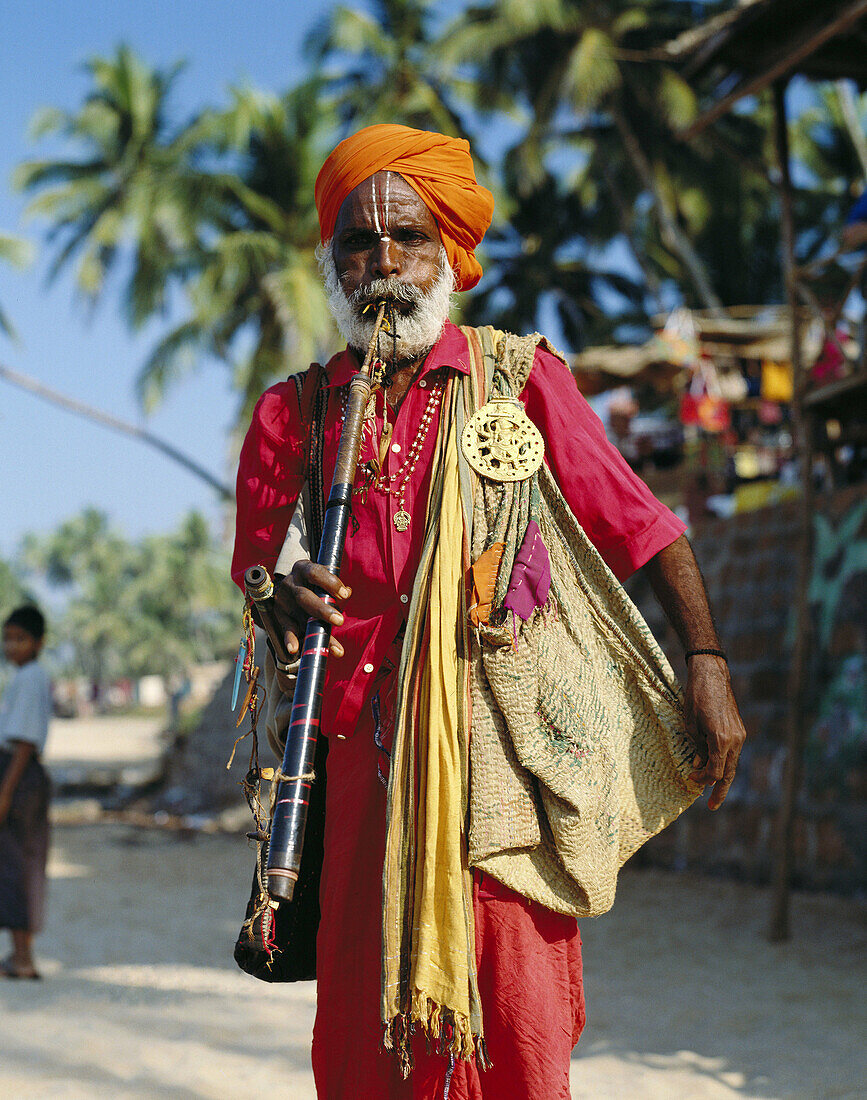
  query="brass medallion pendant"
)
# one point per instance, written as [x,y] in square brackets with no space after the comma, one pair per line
[501,442]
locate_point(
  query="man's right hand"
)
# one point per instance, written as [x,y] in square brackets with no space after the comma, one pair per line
[297,602]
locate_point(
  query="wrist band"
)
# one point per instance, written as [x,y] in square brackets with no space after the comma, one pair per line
[709,652]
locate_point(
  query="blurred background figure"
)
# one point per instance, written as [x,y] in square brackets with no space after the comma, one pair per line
[24,714]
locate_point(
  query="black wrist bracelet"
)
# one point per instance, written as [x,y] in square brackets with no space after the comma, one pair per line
[709,652]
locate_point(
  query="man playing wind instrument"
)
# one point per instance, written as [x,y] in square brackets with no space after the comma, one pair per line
[482,787]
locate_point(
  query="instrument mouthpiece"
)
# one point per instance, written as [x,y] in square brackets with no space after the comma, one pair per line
[258,583]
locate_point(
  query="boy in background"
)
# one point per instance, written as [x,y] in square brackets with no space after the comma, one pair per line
[24,713]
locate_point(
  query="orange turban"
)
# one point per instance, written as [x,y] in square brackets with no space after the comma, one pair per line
[438,168]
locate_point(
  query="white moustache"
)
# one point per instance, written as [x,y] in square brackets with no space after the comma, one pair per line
[416,330]
[386,290]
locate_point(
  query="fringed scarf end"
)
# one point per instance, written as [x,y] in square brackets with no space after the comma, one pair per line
[447,1031]
[397,1040]
[482,1059]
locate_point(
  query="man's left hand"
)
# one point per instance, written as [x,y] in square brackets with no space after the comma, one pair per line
[714,723]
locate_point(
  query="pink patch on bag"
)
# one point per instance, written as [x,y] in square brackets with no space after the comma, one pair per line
[530,581]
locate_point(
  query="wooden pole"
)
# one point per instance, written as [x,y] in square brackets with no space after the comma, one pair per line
[780,65]
[803,439]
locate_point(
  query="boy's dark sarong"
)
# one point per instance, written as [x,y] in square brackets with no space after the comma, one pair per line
[24,849]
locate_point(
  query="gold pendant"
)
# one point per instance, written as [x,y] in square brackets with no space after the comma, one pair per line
[401,519]
[501,442]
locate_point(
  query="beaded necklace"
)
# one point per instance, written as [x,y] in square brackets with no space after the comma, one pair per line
[397,483]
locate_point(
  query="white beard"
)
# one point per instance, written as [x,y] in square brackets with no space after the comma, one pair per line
[417,330]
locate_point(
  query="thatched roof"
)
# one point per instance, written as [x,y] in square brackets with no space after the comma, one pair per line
[601,368]
[759,42]
[756,332]
[743,332]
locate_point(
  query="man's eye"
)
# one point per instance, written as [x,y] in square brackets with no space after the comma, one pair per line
[358,241]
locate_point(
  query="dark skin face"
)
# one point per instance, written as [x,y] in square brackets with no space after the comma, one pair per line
[19,645]
[383,230]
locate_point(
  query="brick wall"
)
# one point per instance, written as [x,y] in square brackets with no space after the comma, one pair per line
[750,565]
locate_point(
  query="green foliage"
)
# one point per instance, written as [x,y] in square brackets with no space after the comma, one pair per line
[221,205]
[159,605]
[18,253]
[256,300]
[13,588]
[128,195]
[383,66]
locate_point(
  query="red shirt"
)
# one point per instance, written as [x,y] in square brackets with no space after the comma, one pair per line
[619,514]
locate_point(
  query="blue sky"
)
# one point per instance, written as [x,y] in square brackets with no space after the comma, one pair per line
[53,463]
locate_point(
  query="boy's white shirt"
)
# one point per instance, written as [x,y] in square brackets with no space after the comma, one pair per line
[25,708]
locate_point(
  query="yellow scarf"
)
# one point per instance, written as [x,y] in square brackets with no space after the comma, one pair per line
[428,957]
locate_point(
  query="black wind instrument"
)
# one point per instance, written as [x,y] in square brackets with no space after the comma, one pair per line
[296,772]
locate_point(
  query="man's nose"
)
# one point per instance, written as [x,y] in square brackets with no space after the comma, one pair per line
[385,258]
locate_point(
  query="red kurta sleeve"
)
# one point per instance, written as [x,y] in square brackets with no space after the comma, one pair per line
[270,478]
[619,514]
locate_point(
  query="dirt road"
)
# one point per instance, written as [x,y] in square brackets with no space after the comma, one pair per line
[686,999]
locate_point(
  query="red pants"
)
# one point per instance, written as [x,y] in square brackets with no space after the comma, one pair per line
[529,966]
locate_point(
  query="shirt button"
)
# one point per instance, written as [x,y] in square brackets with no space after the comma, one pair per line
[395,447]
[422,384]
[368,667]
[404,598]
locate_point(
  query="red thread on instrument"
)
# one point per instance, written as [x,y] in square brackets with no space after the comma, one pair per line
[269,933]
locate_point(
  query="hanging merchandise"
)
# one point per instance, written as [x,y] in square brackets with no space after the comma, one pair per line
[746,463]
[713,414]
[770,413]
[679,338]
[703,404]
[776,381]
[688,412]
[732,385]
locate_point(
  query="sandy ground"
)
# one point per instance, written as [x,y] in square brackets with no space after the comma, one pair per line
[101,751]
[685,997]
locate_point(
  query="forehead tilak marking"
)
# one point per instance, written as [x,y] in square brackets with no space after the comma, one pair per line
[373,203]
[380,202]
[385,200]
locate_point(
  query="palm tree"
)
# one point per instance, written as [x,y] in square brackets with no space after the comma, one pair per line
[544,254]
[13,590]
[90,559]
[155,606]
[586,73]
[382,65]
[18,253]
[126,200]
[221,207]
[255,298]
[186,607]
